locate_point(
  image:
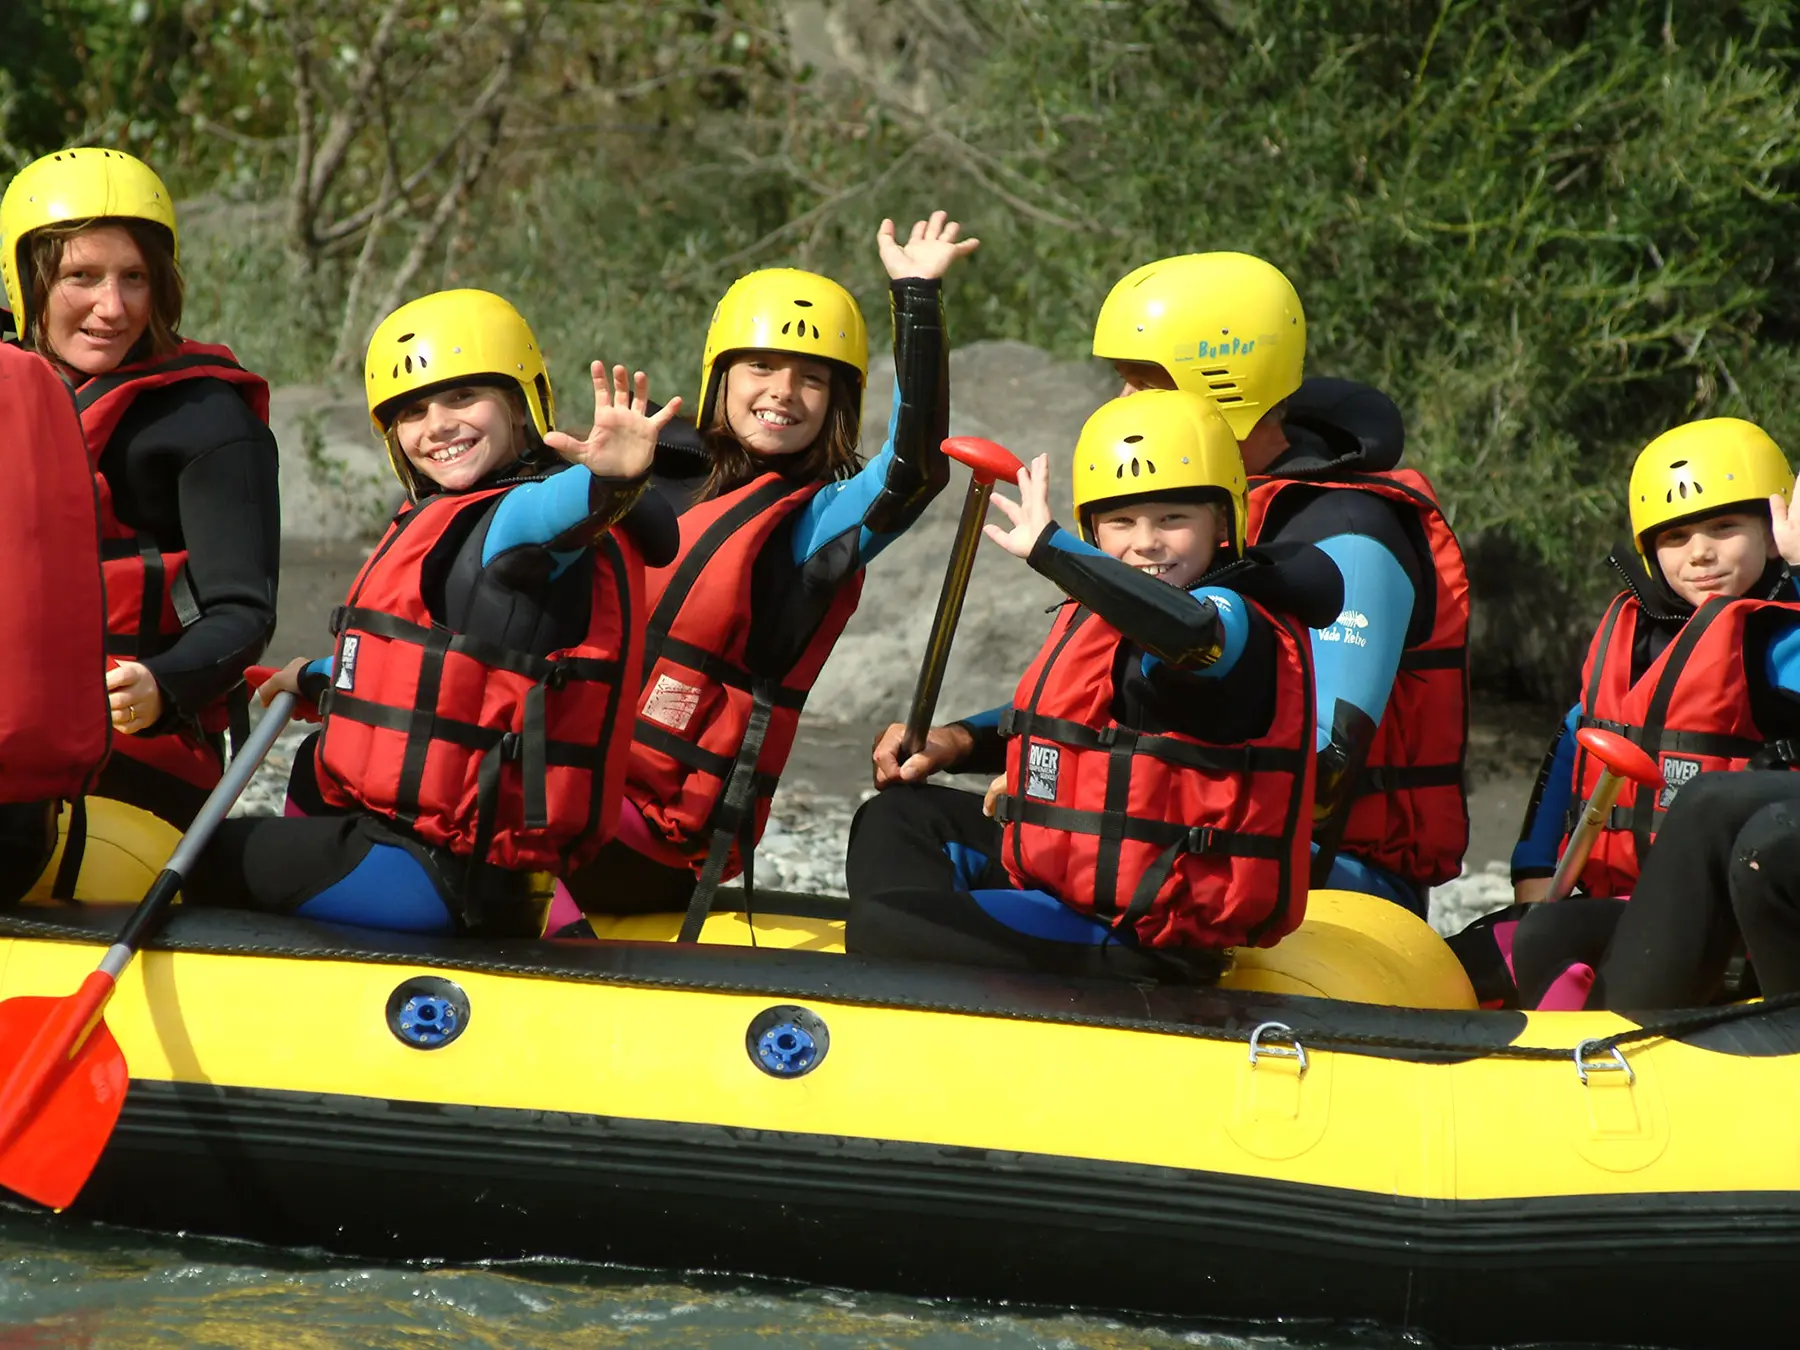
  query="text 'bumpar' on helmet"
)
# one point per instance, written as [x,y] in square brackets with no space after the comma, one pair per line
[1164,443]
[447,338]
[1227,326]
[68,186]
[1703,469]
[782,309]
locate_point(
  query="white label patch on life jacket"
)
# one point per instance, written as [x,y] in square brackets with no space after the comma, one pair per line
[1042,771]
[1676,772]
[672,703]
[346,665]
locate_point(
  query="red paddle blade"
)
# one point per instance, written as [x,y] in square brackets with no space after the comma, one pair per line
[67,1107]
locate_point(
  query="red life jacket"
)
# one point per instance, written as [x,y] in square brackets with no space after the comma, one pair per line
[1411,813]
[703,719]
[54,723]
[1184,842]
[497,755]
[1690,711]
[149,599]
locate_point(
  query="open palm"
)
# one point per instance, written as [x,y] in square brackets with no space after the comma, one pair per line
[1029,515]
[623,441]
[929,252]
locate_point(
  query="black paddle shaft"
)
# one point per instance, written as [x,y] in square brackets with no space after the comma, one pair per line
[943,624]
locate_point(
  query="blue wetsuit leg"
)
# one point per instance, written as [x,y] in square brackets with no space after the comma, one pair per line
[388,889]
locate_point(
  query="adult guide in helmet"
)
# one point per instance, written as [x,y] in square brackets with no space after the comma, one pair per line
[778,517]
[476,707]
[1323,457]
[1155,805]
[184,462]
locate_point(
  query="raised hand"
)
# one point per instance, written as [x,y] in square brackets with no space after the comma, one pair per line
[930,251]
[1785,521]
[623,441]
[1029,514]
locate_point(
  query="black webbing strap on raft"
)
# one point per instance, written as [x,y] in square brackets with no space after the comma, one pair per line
[734,818]
[74,849]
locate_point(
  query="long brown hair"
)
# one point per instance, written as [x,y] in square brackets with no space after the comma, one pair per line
[47,246]
[832,456]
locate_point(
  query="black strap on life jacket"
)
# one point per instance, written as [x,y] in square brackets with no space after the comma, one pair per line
[92,391]
[532,748]
[734,818]
[1114,823]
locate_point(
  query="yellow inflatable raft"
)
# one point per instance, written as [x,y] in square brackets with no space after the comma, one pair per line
[1334,1132]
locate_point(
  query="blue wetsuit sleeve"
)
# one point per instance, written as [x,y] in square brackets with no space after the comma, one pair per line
[1234,633]
[1781,662]
[1356,658]
[537,512]
[985,721]
[840,507]
[1546,818]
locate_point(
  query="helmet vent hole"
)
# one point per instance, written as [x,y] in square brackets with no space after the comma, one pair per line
[786,327]
[408,364]
[423,363]
[1133,440]
[1229,398]
[1216,372]
[804,304]
[406,337]
[815,331]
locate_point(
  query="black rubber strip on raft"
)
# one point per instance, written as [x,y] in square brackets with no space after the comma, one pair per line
[387,1179]
[1409,1034]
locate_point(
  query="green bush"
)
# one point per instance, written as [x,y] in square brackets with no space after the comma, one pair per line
[1551,230]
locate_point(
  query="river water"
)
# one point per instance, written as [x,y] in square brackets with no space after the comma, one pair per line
[81,1286]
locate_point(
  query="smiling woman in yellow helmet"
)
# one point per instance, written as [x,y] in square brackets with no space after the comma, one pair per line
[775,533]
[186,468]
[1697,660]
[1156,806]
[1323,458]
[477,705]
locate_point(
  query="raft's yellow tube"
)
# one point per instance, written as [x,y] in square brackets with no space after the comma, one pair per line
[126,848]
[1355,947]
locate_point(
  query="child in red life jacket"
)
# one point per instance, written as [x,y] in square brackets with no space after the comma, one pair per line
[777,524]
[476,708]
[181,456]
[1156,808]
[1697,660]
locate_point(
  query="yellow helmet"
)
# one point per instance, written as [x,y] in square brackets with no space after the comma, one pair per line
[1160,442]
[85,183]
[782,309]
[1224,325]
[446,338]
[1703,469]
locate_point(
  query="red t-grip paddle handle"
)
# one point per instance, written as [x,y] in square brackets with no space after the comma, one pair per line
[1621,756]
[990,462]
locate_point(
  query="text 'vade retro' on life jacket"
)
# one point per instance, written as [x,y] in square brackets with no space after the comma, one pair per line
[1690,711]
[498,755]
[712,738]
[54,724]
[1177,841]
[1411,813]
[149,599]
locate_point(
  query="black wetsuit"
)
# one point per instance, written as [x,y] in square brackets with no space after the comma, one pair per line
[191,466]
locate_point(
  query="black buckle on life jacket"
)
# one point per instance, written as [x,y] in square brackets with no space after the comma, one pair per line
[338,614]
[1784,751]
[1106,737]
[1200,839]
[556,676]
[512,745]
